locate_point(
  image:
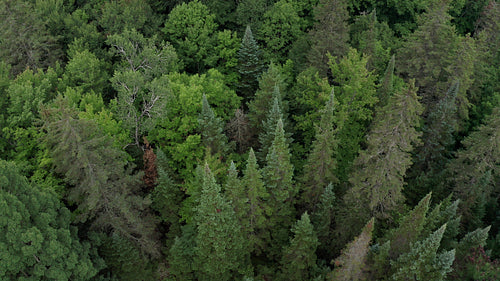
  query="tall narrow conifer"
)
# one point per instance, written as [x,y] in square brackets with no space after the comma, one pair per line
[250,66]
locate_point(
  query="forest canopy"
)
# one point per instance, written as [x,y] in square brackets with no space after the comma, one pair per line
[250,140]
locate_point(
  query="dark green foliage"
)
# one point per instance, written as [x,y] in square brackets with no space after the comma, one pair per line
[323,221]
[319,170]
[386,87]
[329,34]
[274,114]
[299,258]
[36,239]
[182,253]
[101,186]
[250,66]
[211,127]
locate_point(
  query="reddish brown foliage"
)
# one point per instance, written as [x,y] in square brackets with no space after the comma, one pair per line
[150,171]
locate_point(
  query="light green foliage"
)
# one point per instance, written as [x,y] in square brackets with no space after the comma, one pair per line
[117,16]
[26,42]
[329,35]
[278,177]
[356,97]
[380,169]
[86,72]
[142,89]
[250,66]
[191,29]
[211,128]
[423,262]
[103,189]
[221,253]
[281,26]
[351,263]
[81,34]
[299,258]
[319,170]
[473,172]
[226,48]
[444,212]
[36,239]
[177,131]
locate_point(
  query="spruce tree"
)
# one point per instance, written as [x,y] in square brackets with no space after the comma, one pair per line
[323,221]
[211,128]
[352,262]
[278,177]
[274,114]
[423,262]
[378,181]
[444,212]
[330,34]
[386,83]
[299,258]
[221,252]
[473,171]
[250,66]
[319,170]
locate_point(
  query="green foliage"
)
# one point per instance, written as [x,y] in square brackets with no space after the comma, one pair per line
[299,258]
[250,66]
[323,221]
[36,239]
[356,97]
[181,255]
[191,29]
[423,262]
[211,128]
[103,189]
[351,263]
[221,253]
[274,114]
[281,26]
[329,35]
[86,72]
[177,131]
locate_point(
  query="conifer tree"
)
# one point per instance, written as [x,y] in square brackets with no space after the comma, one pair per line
[351,263]
[182,254]
[278,174]
[444,213]
[274,114]
[258,107]
[472,240]
[220,252]
[330,34]
[299,258]
[378,181]
[319,170]
[473,172]
[250,66]
[423,262]
[104,190]
[323,221]
[211,128]
[386,83]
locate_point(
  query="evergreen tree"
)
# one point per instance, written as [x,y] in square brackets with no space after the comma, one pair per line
[250,66]
[472,240]
[104,190]
[274,114]
[444,213]
[211,128]
[36,239]
[182,254]
[323,221]
[351,263]
[278,177]
[319,170]
[330,34]
[386,83]
[220,252]
[299,258]
[379,179]
[473,172]
[438,138]
[423,262]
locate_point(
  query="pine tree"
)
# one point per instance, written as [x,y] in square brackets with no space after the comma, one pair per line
[423,262]
[221,252]
[473,171]
[299,258]
[250,67]
[211,128]
[330,34]
[351,263]
[278,174]
[379,179]
[319,170]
